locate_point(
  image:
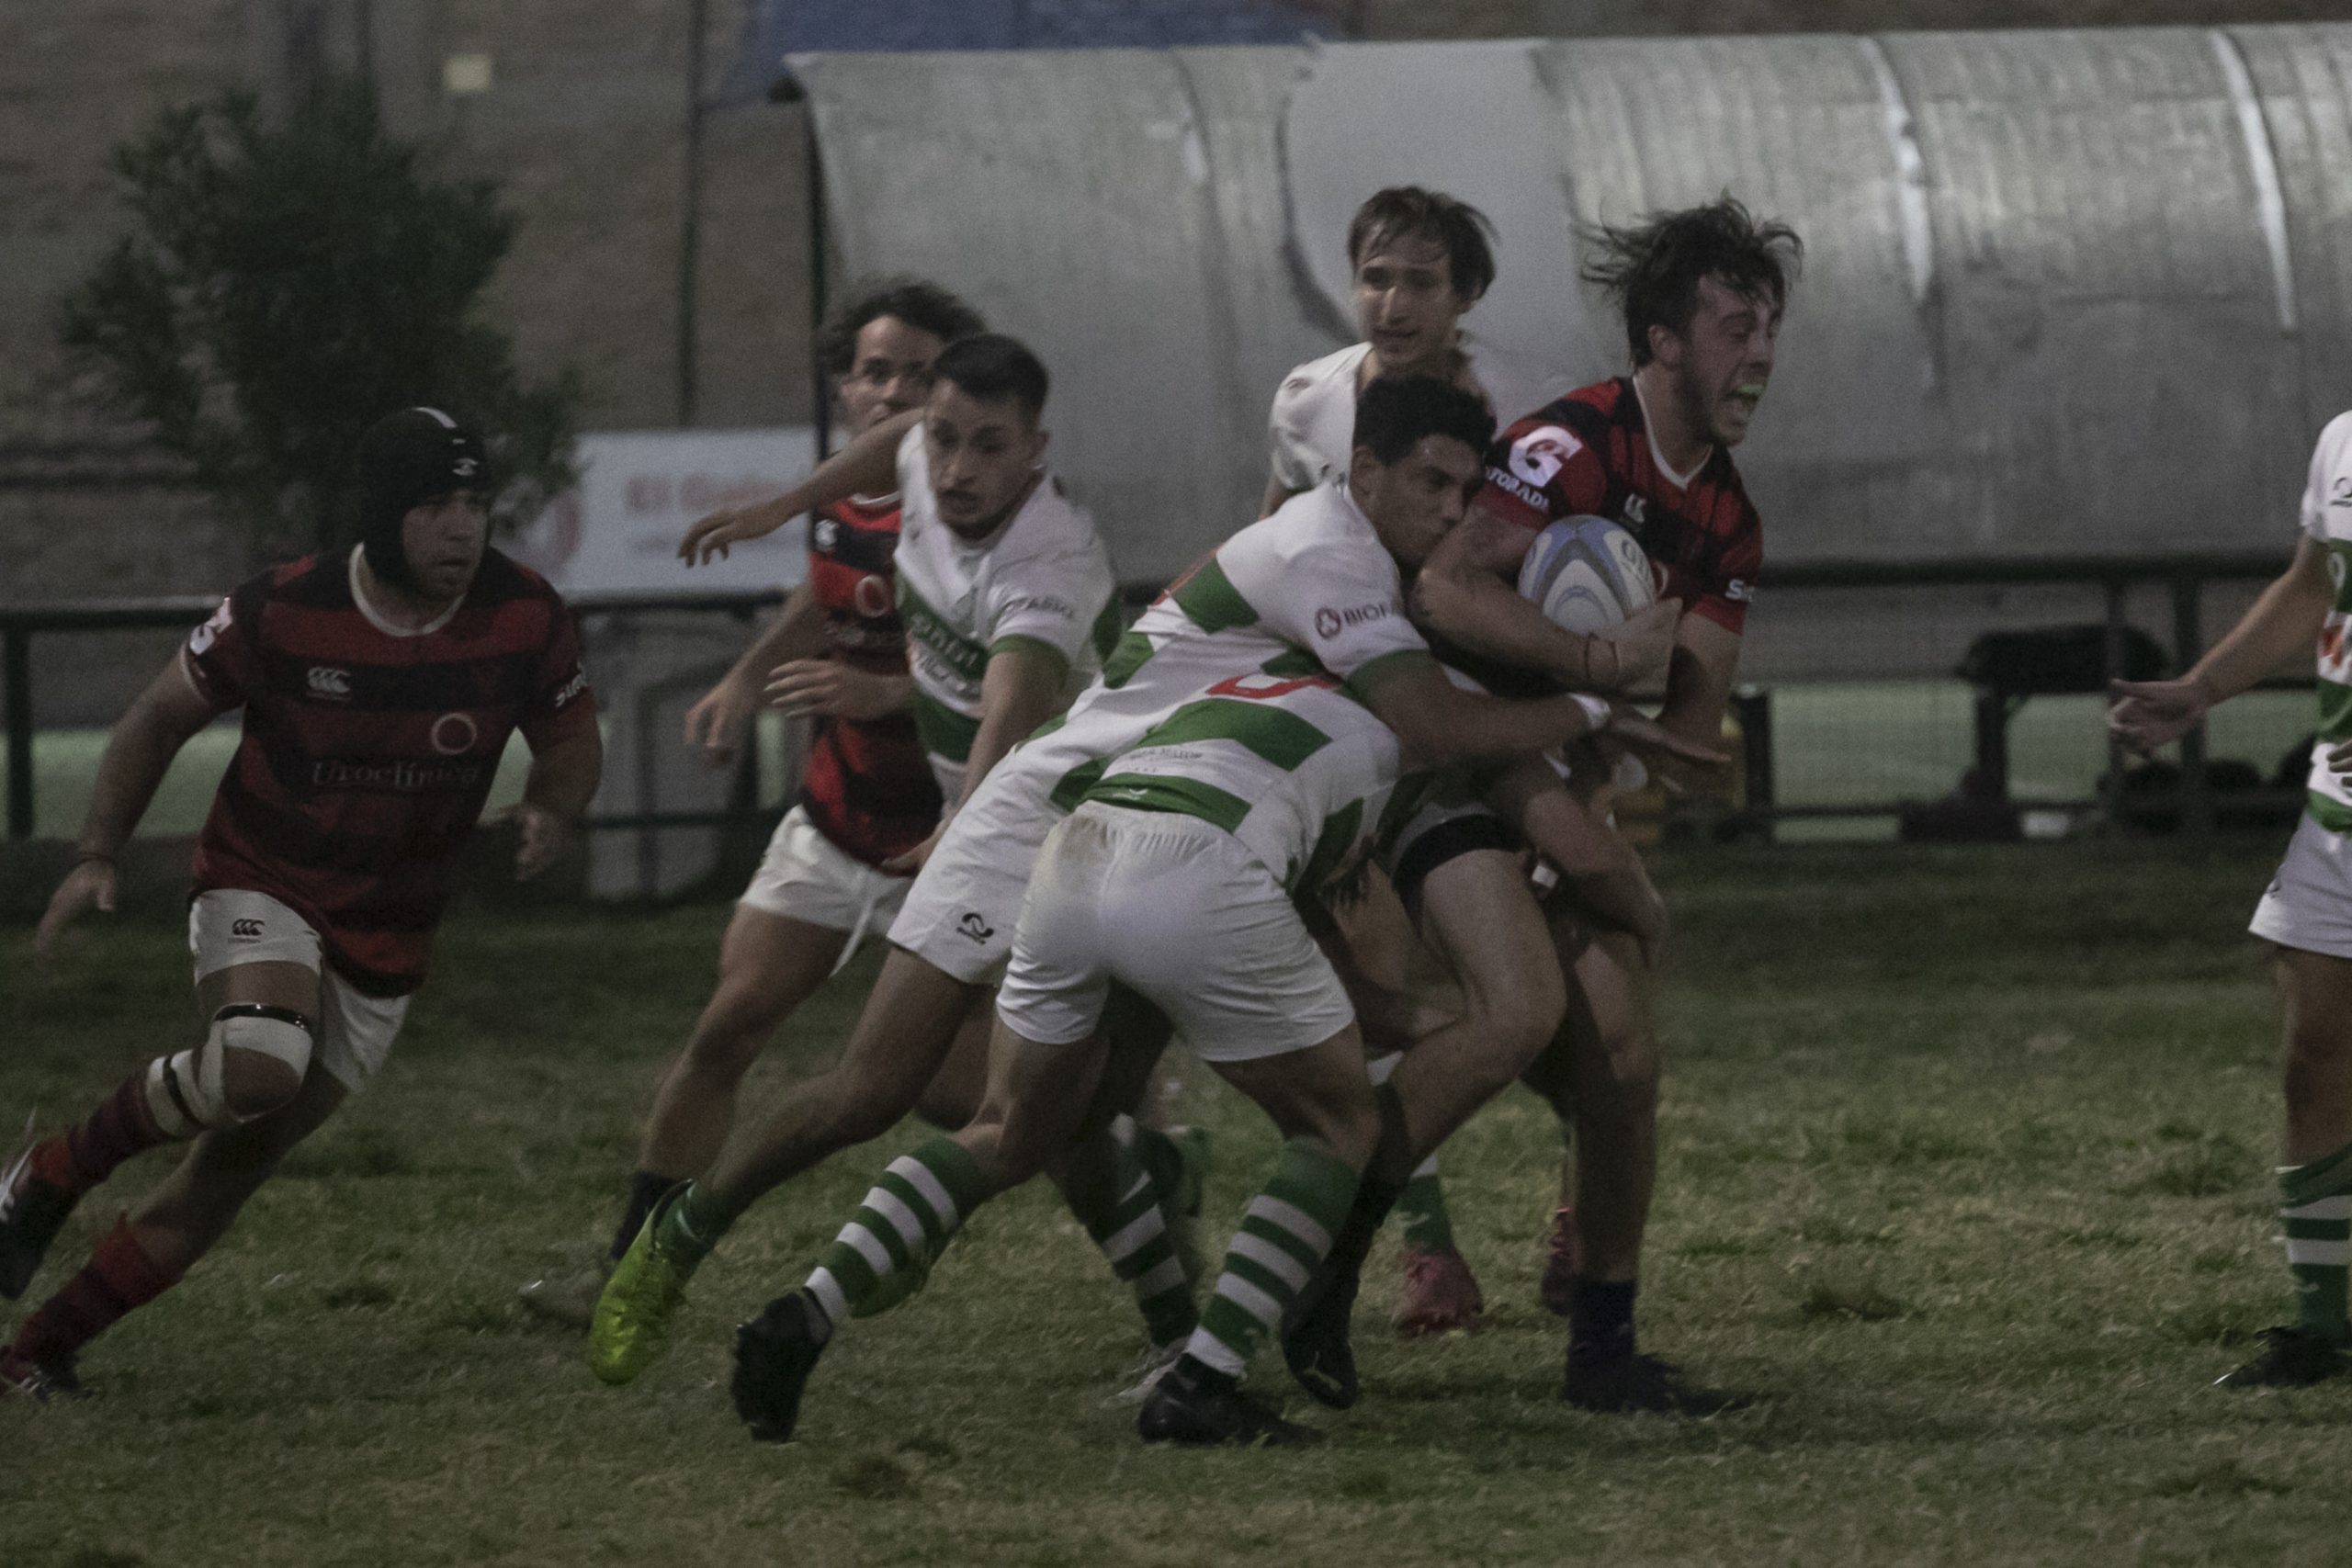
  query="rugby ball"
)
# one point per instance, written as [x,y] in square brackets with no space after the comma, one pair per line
[1587,574]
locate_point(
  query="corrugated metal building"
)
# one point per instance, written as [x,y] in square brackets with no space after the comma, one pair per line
[2065,293]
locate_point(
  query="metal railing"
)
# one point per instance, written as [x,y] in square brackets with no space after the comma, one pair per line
[2185,577]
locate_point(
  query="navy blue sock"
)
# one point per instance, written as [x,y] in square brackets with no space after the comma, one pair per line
[1600,1319]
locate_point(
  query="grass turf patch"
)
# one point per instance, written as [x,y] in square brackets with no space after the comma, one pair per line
[1966,1172]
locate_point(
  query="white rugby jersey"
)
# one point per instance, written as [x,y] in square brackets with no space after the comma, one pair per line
[2327,517]
[1295,768]
[1311,427]
[1043,577]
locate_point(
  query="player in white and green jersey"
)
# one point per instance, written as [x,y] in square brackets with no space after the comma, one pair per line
[2306,913]
[1006,592]
[1037,583]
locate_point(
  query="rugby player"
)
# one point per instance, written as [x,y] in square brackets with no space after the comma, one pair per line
[1177,877]
[1007,596]
[837,655]
[1420,260]
[378,691]
[2306,913]
[1700,292]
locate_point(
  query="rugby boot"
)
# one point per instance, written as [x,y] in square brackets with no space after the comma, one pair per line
[2291,1358]
[774,1353]
[1560,1263]
[1628,1382]
[1140,1380]
[43,1383]
[1195,1407]
[567,1296]
[32,1213]
[1315,1344]
[630,1326]
[1440,1295]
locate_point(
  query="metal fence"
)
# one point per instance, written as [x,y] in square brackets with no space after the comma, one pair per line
[1759,803]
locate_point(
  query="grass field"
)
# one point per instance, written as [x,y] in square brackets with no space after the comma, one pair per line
[1967,1173]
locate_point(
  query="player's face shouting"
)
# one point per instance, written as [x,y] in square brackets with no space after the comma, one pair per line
[889,372]
[1725,360]
[1416,500]
[444,539]
[1406,303]
[984,455]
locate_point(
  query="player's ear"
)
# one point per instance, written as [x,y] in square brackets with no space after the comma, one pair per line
[1037,439]
[1666,344]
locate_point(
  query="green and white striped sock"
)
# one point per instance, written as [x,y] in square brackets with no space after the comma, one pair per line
[886,1252]
[2315,1209]
[1135,1237]
[1285,1235]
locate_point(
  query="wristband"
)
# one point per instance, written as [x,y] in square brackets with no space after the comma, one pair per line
[91,855]
[1596,712]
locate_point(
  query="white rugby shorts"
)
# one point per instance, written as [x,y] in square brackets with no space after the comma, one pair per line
[807,876]
[958,917]
[2309,904]
[1177,911]
[227,927]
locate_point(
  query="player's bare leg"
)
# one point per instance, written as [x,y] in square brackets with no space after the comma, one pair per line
[258,1106]
[2315,1181]
[1478,917]
[768,965]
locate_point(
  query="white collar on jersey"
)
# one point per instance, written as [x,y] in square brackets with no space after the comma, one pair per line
[376,617]
[1680,481]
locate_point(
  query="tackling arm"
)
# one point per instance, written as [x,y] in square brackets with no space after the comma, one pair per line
[1437,723]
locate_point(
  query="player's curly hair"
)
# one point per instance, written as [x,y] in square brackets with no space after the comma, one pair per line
[1652,268]
[920,303]
[1462,229]
[1396,413]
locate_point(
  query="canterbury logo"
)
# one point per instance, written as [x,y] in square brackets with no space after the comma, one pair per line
[328,681]
[245,930]
[972,926]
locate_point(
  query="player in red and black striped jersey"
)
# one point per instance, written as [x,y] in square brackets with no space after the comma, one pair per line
[837,656]
[379,692]
[1702,292]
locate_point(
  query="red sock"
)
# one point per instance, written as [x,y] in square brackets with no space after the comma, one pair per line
[119,1277]
[120,1127]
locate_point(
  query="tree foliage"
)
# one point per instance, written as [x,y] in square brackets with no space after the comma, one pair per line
[290,281]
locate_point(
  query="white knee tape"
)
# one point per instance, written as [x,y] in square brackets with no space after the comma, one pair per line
[189,1091]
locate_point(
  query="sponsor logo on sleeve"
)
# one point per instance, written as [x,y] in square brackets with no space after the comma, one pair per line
[1329,623]
[827,535]
[1042,604]
[1537,458]
[206,635]
[1739,591]
[571,689]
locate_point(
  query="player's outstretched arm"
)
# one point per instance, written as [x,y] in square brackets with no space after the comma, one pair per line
[562,781]
[2279,625]
[1466,595]
[715,725]
[139,753]
[868,465]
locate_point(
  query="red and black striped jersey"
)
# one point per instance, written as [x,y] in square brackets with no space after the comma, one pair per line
[1589,454]
[869,786]
[368,751]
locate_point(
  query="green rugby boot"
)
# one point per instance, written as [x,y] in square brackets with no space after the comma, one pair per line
[630,1326]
